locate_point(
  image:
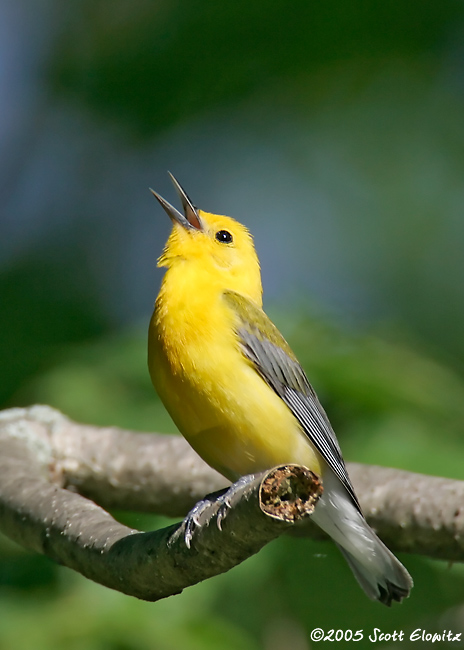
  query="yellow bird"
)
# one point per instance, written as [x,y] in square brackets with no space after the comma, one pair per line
[235,389]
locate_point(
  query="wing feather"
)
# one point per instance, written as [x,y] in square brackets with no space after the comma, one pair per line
[264,346]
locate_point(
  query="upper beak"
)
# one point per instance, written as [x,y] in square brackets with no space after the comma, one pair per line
[190,219]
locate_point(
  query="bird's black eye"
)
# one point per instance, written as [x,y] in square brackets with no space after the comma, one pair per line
[224,236]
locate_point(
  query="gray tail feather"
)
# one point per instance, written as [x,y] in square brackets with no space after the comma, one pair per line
[385,589]
[377,570]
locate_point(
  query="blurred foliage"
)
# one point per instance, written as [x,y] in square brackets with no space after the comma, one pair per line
[364,82]
[42,310]
[151,66]
[387,402]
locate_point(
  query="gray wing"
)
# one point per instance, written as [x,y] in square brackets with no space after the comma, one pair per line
[264,346]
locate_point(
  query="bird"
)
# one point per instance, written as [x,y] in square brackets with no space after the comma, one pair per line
[235,389]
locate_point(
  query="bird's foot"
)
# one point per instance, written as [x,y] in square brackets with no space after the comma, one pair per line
[221,501]
[192,520]
[225,499]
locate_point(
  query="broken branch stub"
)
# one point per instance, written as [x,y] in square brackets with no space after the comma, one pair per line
[289,493]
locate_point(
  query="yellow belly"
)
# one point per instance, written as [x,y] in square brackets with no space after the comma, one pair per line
[227,412]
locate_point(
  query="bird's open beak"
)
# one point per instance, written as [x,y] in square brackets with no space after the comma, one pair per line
[190,220]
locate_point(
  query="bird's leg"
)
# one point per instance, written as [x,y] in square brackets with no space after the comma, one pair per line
[192,520]
[220,500]
[225,499]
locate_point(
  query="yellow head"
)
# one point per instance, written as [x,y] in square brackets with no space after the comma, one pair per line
[213,249]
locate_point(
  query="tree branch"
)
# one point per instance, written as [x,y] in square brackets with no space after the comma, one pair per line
[49,464]
[40,448]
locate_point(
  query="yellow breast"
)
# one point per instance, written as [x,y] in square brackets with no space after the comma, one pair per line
[222,406]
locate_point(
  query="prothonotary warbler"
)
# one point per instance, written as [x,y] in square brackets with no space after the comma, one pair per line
[235,389]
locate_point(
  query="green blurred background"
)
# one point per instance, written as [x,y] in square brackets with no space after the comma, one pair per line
[335,131]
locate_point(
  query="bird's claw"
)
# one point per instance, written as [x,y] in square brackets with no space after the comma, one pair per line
[190,524]
[192,520]
[226,498]
[223,509]
[222,500]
